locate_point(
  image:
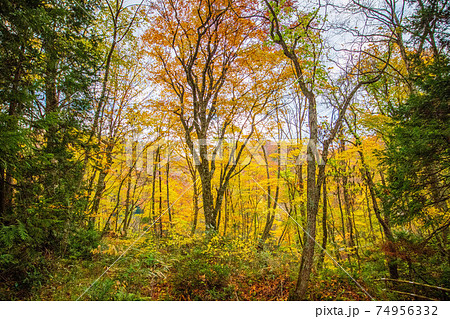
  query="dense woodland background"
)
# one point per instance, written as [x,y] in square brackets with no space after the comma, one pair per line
[224,150]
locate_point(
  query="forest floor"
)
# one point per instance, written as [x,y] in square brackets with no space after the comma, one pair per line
[196,269]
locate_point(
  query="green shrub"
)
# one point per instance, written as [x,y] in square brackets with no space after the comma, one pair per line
[200,276]
[82,242]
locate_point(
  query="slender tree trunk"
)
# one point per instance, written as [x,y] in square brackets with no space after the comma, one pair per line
[127,206]
[169,210]
[153,199]
[270,217]
[51,98]
[160,198]
[193,172]
[369,212]
[333,231]
[232,214]
[324,226]
[133,205]
[342,214]
[357,239]
[351,241]
[384,222]
[241,208]
[283,233]
[103,97]
[226,212]
[101,184]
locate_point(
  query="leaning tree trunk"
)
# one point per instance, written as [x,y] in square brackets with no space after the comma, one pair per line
[383,220]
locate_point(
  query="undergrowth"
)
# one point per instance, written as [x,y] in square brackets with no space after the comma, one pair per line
[185,268]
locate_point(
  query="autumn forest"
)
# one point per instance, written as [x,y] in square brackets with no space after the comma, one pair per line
[224,150]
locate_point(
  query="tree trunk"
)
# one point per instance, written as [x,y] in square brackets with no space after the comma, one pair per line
[51,98]
[101,184]
[169,210]
[127,206]
[351,242]
[344,233]
[307,257]
[226,212]
[153,211]
[270,217]
[196,209]
[160,199]
[369,211]
[207,196]
[193,172]
[383,220]
[324,226]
